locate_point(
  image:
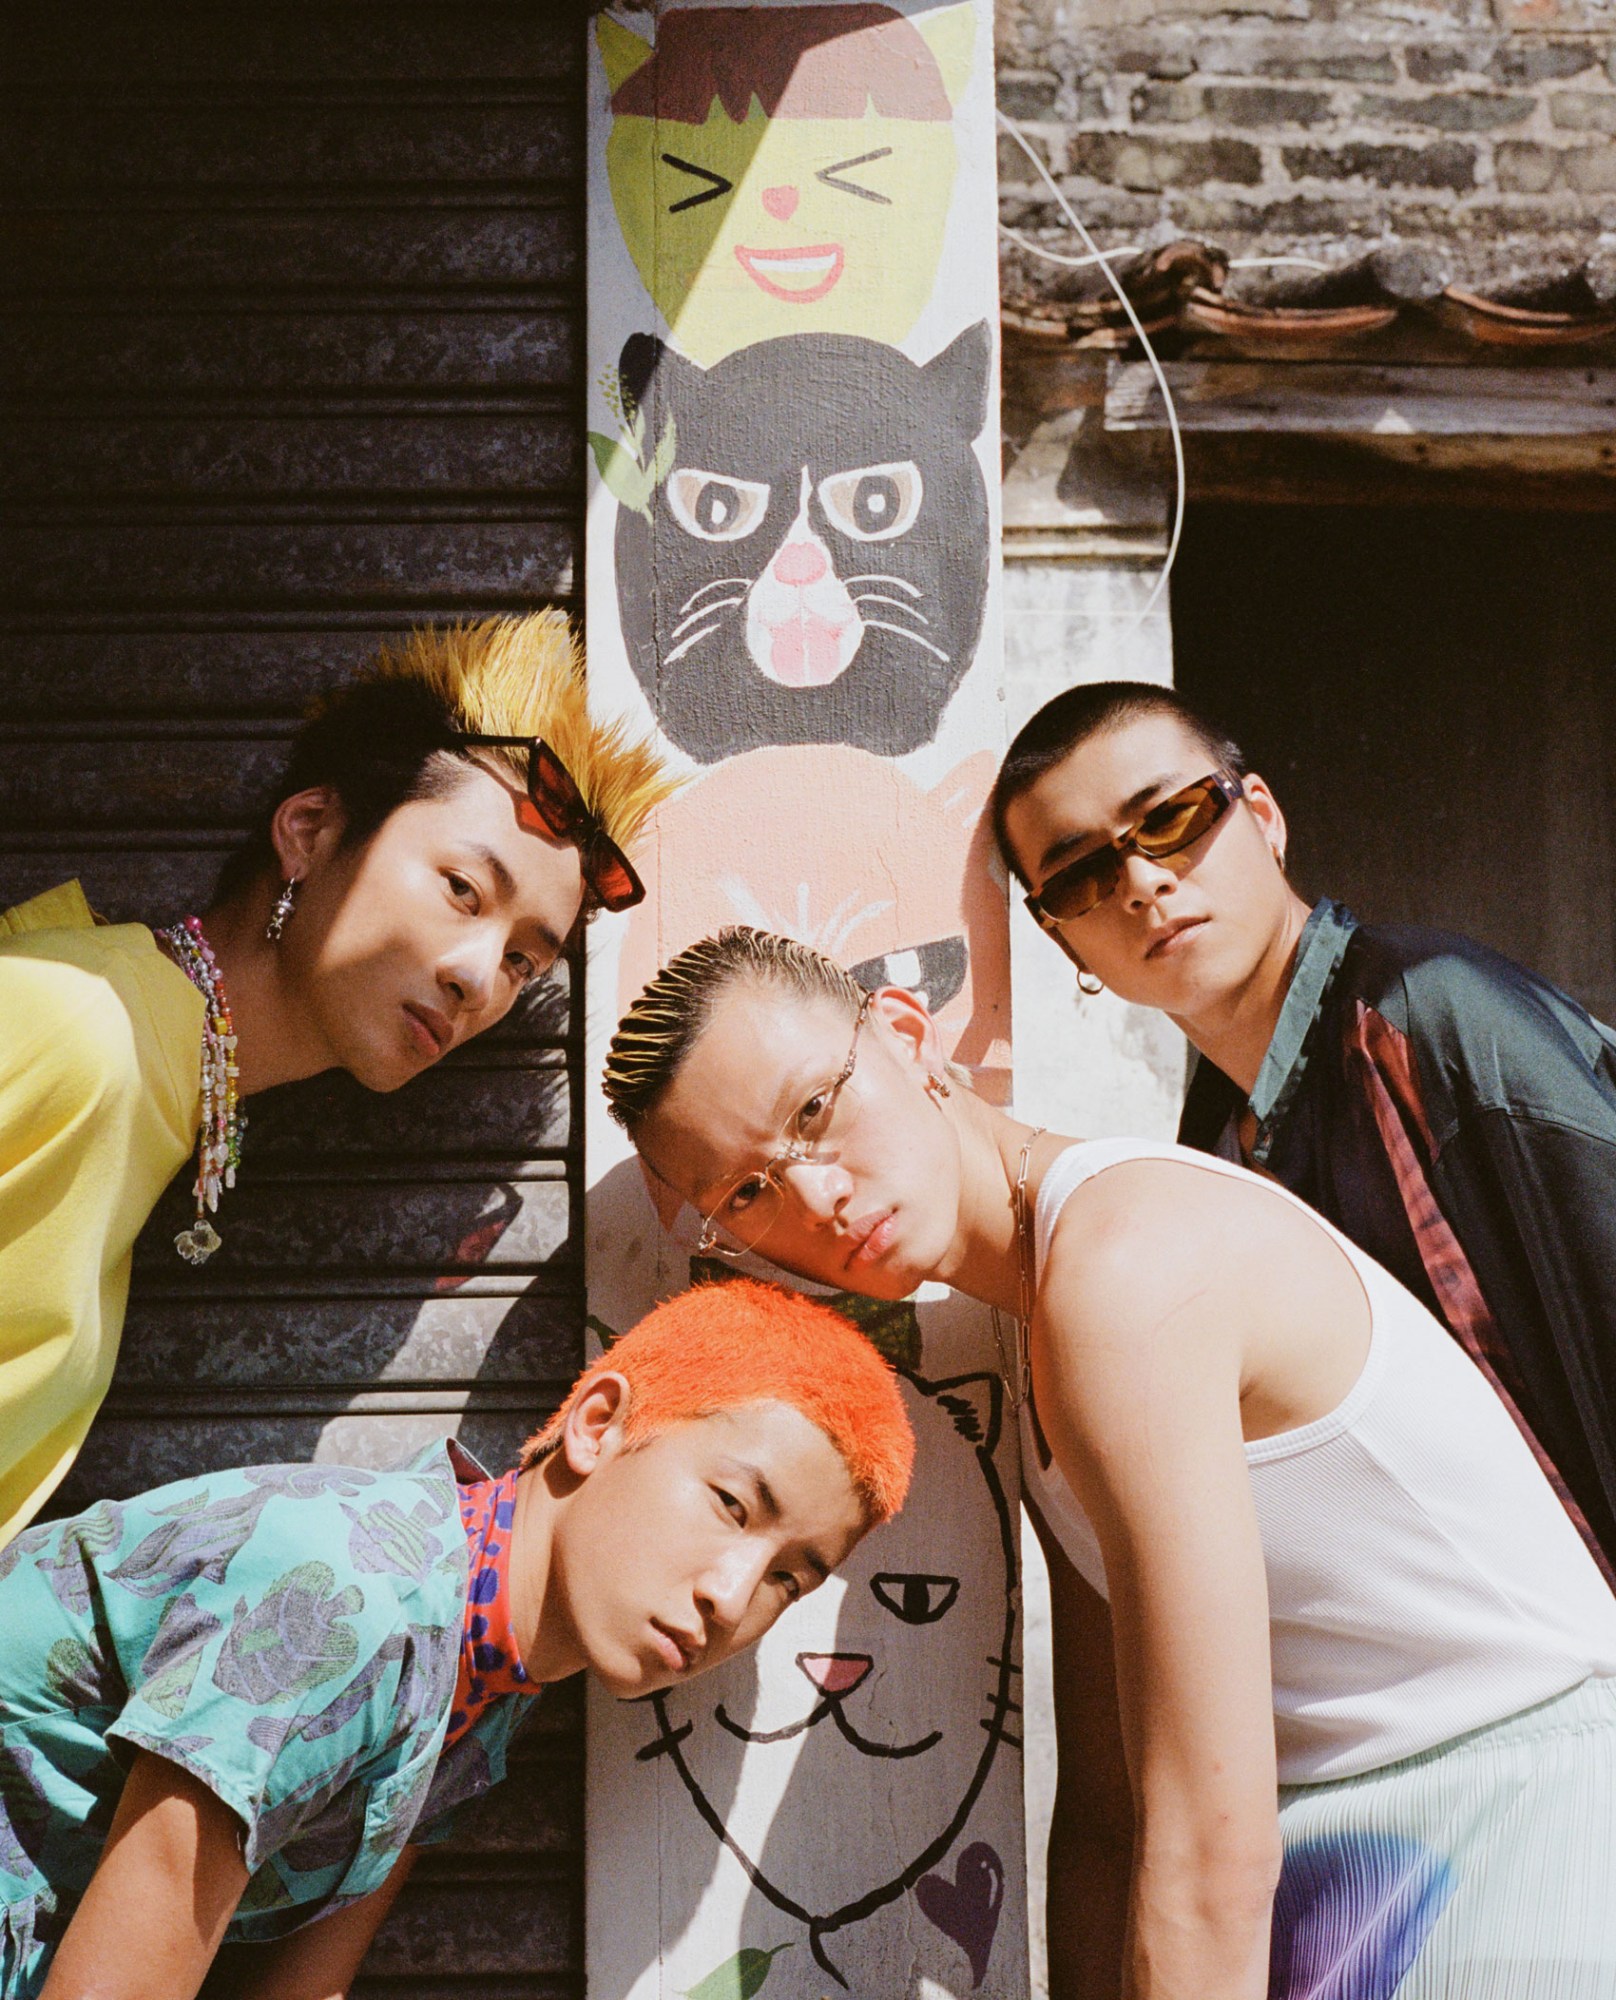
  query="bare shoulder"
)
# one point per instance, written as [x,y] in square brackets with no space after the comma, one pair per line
[1150,1236]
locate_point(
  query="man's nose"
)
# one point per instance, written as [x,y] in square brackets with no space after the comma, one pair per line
[728,1588]
[819,1186]
[1143,879]
[469,973]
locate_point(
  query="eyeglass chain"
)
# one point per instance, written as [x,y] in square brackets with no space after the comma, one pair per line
[223,1123]
[1018,1381]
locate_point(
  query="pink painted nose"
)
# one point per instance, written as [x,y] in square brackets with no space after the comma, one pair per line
[835,1673]
[799,563]
[781,202]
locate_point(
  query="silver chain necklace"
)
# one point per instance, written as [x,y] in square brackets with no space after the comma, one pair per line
[1017,1381]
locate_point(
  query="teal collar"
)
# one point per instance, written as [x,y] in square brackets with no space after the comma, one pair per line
[1319,953]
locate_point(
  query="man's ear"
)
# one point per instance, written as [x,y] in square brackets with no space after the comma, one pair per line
[306,829]
[908,1017]
[592,1420]
[1267,812]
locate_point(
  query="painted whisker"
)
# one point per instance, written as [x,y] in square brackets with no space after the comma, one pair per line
[718,604]
[716,583]
[685,645]
[897,603]
[880,625]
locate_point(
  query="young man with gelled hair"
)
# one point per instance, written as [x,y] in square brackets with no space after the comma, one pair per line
[1452,1112]
[234,1709]
[427,851]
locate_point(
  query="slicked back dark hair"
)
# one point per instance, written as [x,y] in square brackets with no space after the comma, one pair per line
[656,1035]
[1091,710]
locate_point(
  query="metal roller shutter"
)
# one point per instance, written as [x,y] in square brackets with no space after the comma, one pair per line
[290,357]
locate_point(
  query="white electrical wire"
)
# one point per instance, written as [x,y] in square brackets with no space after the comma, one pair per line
[1103,259]
[1138,250]
[1269,263]
[1069,263]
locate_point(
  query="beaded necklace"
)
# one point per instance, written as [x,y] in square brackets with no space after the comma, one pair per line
[219,1149]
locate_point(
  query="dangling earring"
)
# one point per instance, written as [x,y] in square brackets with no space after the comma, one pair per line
[281,911]
[1089,983]
[937,1085]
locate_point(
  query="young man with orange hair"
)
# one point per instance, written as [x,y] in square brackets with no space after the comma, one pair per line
[424,854]
[241,1703]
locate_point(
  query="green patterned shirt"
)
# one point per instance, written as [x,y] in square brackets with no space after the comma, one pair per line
[288,1634]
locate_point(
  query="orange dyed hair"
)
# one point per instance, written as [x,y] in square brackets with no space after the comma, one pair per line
[721,1345]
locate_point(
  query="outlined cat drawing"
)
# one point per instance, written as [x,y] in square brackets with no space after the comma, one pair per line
[804,567]
[831,1770]
[898,882]
[797,161]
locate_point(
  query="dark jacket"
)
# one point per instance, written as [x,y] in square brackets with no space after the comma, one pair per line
[1456,1116]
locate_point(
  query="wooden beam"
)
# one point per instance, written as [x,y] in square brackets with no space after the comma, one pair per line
[1334,399]
[1576,475]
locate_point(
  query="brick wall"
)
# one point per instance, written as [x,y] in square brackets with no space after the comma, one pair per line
[1486,128]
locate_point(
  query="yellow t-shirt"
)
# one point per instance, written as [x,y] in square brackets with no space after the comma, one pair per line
[100,1099]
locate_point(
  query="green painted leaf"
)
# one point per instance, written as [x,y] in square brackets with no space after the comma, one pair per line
[662,458]
[738,1978]
[626,479]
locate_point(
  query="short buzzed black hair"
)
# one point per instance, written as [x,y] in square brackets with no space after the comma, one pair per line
[1090,710]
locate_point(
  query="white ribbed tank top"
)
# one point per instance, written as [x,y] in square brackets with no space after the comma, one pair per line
[1423,1580]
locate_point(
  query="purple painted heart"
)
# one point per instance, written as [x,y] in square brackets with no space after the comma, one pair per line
[967,1909]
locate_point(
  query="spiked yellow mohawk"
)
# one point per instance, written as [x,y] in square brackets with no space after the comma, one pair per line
[525,677]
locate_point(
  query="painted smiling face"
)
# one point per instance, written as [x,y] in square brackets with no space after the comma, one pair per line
[843,1706]
[796,161]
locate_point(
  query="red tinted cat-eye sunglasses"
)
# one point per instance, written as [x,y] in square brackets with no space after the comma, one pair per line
[559,804]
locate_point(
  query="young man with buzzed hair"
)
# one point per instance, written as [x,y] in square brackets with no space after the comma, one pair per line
[1450,1111]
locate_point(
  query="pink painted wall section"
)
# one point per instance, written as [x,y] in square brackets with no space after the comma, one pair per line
[792,571]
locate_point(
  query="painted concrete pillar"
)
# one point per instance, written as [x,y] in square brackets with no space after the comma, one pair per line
[793,570]
[1086,528]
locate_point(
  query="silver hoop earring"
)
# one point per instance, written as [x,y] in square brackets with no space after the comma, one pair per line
[937,1085]
[1089,983]
[281,911]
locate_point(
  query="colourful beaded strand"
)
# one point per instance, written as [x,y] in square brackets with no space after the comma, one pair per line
[219,1148]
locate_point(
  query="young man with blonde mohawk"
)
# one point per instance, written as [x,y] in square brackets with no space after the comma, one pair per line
[440,825]
[240,1704]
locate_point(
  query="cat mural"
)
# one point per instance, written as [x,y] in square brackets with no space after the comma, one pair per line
[898,881]
[785,170]
[826,1768]
[795,565]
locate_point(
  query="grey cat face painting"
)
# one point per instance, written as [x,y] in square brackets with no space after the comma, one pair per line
[802,565]
[834,1770]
